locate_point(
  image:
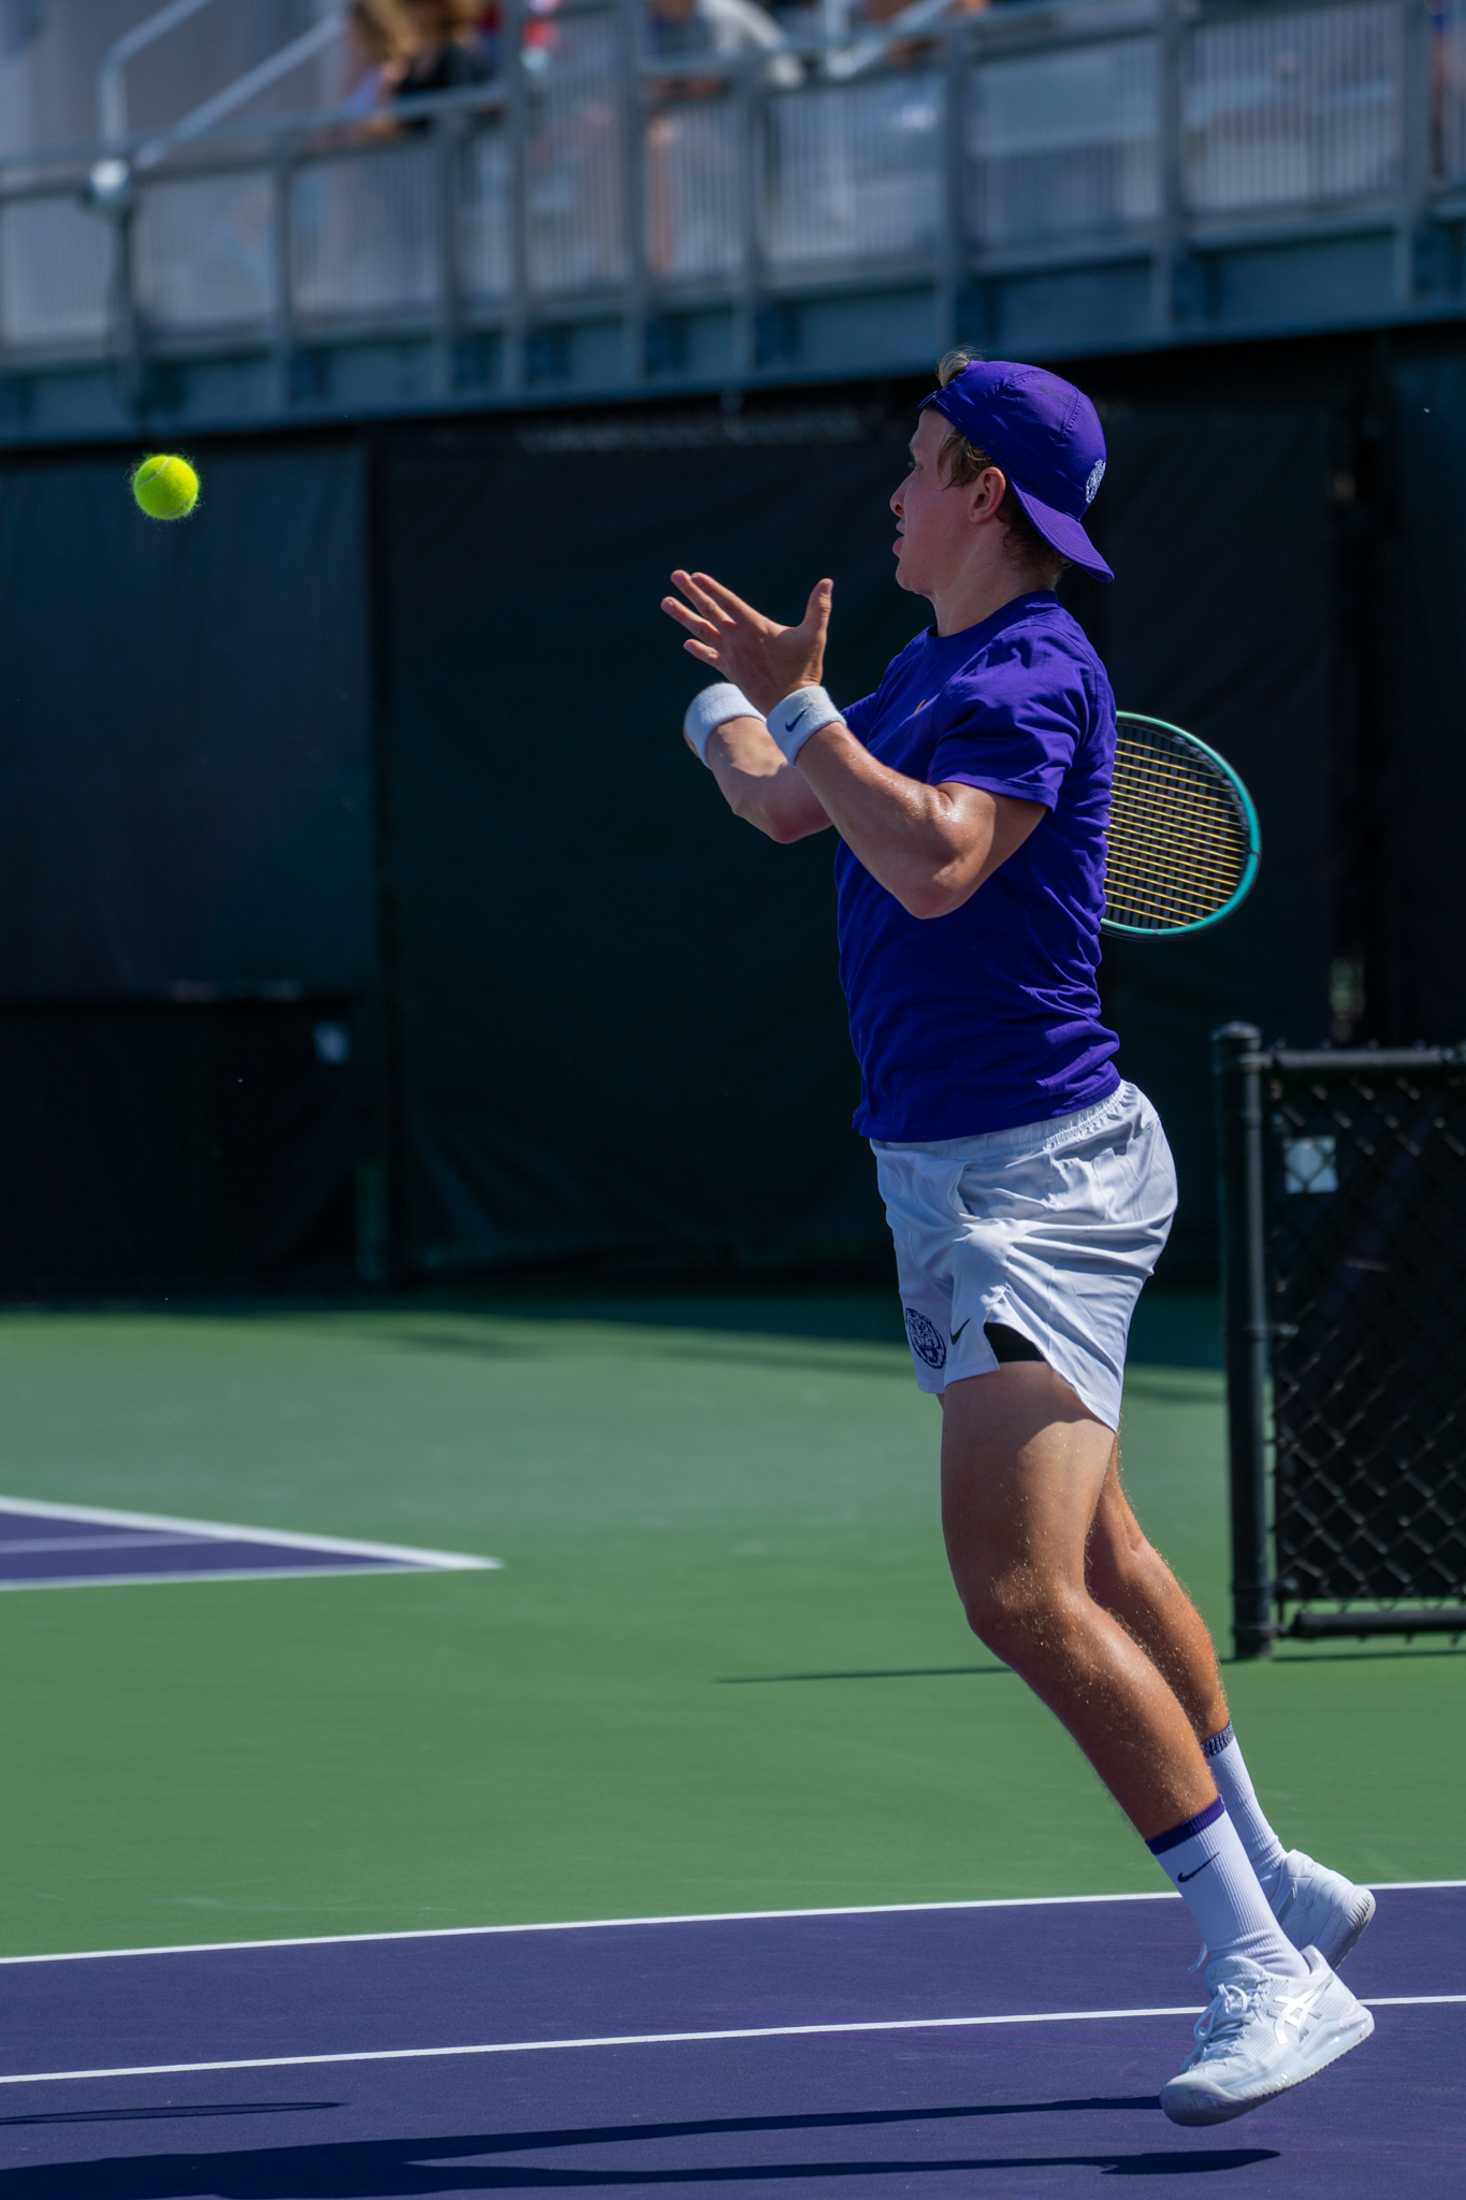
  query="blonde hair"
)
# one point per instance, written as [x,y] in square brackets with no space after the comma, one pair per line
[383,29]
[964,462]
[451,18]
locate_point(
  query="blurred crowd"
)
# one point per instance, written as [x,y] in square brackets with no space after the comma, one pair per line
[1068,147]
[403,49]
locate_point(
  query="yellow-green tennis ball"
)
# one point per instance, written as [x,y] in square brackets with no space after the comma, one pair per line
[166,488]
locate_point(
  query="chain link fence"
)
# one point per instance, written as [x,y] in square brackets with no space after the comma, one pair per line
[1343,1190]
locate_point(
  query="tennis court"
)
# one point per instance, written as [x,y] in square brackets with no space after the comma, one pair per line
[719,712]
[289,1812]
[736,2050]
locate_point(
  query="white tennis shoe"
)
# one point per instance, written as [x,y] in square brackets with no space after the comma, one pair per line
[1261,2034]
[1316,1908]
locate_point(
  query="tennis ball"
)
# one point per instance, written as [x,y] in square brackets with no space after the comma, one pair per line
[166,488]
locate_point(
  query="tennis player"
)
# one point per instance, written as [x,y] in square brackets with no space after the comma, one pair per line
[1029,1187]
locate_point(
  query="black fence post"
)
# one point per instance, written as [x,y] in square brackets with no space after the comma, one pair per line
[1245,1317]
[385,1249]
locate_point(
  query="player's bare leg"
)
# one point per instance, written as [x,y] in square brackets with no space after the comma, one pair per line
[1023,1466]
[1128,1576]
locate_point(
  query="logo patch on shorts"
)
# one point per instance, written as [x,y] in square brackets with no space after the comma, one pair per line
[927,1341]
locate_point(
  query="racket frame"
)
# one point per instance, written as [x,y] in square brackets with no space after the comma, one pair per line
[1254,840]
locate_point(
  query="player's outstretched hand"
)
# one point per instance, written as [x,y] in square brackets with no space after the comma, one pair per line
[758,655]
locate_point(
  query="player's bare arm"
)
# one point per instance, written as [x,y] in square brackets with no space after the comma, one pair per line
[759,786]
[932,847]
[758,655]
[765,660]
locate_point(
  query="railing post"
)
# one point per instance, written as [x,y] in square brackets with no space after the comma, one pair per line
[515,376]
[446,141]
[953,244]
[1245,1319]
[752,212]
[1171,223]
[1416,147]
[282,273]
[633,192]
[834,29]
[130,367]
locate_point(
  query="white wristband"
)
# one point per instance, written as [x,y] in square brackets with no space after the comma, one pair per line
[799,715]
[713,708]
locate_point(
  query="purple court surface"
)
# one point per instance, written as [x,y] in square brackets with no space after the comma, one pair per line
[83,1547]
[1007,2049]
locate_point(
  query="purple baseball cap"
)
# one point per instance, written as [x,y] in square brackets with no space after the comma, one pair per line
[1046,436]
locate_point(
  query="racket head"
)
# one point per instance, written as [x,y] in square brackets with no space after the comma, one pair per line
[1209,814]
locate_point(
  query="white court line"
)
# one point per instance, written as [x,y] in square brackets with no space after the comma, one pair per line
[603,1924]
[206,1574]
[660,2039]
[225,1532]
[131,1539]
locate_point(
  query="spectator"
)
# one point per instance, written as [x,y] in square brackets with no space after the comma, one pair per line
[715,27]
[917,48]
[539,37]
[447,53]
[675,28]
[379,38]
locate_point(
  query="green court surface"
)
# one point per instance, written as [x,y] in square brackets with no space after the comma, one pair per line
[723,1667]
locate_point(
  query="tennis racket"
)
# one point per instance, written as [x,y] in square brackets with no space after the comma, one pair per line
[1184,839]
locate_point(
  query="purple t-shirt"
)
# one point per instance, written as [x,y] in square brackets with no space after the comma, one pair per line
[989,1017]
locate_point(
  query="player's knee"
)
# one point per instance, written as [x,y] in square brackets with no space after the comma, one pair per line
[1019,1610]
[1115,1565]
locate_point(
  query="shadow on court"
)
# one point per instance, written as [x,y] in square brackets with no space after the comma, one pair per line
[891,1673]
[377,2169]
[709,1352]
[1350,1657]
[1005,1672]
[1174,1328]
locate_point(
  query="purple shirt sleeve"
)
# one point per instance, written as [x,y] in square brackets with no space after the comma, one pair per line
[857,716]
[1012,723]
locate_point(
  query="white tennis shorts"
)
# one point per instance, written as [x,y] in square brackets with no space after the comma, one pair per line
[1050,1229]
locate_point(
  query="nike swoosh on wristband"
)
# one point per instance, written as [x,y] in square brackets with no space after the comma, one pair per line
[1182,1877]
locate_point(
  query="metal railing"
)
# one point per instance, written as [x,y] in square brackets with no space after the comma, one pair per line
[112,112]
[1085,133]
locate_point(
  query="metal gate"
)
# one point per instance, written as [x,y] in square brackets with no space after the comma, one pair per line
[1343,1218]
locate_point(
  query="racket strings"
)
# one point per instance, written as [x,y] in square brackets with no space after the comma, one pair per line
[1179,843]
[1209,847]
[1138,890]
[1141,851]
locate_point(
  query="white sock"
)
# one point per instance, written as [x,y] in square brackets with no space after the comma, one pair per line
[1208,1865]
[1265,1851]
